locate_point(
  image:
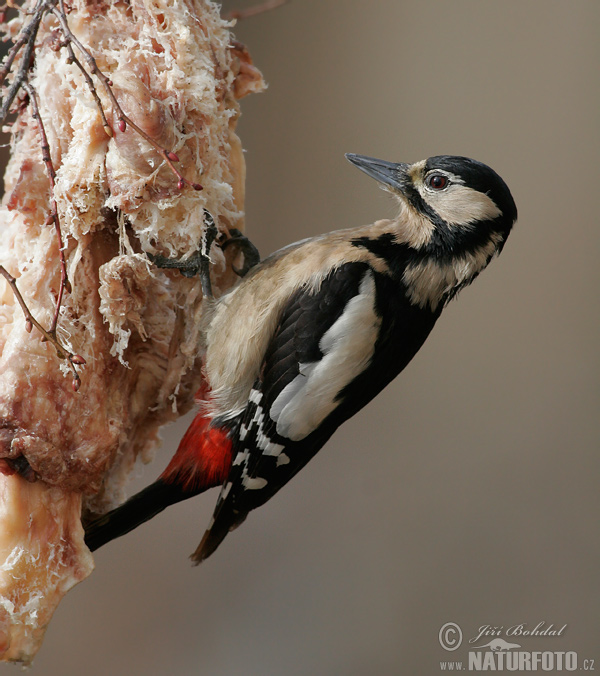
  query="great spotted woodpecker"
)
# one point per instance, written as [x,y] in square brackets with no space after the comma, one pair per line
[315,331]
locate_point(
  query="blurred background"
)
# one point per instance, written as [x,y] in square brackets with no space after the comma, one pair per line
[468,491]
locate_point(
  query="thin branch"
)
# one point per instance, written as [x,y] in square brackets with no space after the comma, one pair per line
[10,57]
[26,39]
[168,155]
[24,46]
[71,58]
[53,218]
[28,35]
[63,353]
[254,10]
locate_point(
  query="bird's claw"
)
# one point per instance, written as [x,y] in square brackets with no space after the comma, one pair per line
[251,255]
[198,264]
[188,267]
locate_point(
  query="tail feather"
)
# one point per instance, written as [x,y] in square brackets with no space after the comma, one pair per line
[224,521]
[202,461]
[137,510]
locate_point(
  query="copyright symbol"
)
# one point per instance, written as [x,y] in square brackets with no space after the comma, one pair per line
[450,636]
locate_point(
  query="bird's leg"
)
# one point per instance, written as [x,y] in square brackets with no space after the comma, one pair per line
[198,264]
[251,255]
[209,235]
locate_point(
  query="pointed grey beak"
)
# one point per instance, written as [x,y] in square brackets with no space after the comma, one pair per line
[388,173]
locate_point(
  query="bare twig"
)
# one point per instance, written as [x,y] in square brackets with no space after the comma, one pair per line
[27,39]
[255,9]
[10,57]
[71,58]
[53,217]
[123,120]
[24,45]
[63,353]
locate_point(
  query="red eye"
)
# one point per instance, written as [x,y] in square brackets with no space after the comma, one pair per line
[437,181]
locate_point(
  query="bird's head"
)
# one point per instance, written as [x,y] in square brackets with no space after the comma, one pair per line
[449,204]
[455,216]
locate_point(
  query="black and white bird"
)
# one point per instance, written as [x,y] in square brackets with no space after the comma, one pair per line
[315,331]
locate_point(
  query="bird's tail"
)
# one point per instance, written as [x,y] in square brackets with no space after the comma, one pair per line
[201,461]
[224,521]
[138,509]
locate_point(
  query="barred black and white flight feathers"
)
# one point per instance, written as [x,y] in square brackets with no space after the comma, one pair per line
[334,349]
[325,339]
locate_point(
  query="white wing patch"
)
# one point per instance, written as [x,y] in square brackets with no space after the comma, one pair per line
[347,349]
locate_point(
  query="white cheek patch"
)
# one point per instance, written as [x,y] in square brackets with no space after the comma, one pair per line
[460,205]
[347,349]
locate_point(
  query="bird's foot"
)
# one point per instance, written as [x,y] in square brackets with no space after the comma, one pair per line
[198,264]
[245,246]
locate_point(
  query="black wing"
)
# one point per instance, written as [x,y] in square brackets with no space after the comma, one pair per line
[331,329]
[336,347]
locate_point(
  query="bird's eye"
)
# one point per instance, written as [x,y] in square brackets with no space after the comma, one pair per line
[437,181]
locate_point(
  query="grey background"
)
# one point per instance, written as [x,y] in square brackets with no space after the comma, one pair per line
[468,491]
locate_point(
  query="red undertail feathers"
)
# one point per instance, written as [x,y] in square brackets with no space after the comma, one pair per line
[203,458]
